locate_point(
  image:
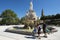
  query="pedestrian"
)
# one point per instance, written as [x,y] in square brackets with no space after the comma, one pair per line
[34,31]
[39,31]
[44,30]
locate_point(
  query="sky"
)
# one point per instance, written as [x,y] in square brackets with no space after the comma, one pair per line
[20,7]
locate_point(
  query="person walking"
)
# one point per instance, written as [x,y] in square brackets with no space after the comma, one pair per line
[44,30]
[34,31]
[39,31]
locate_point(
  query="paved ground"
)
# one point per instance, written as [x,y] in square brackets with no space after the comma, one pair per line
[12,36]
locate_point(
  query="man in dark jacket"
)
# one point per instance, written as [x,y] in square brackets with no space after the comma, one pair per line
[44,30]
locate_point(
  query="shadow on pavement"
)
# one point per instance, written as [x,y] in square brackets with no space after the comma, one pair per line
[30,37]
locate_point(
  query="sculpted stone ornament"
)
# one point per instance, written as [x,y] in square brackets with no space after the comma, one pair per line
[31,13]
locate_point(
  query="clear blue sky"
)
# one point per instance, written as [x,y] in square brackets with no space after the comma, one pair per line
[20,7]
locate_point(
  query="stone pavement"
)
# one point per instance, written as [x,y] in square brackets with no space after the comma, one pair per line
[12,36]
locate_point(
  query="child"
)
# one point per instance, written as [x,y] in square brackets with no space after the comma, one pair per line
[34,31]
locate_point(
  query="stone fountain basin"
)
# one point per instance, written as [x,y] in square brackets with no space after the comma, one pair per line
[20,30]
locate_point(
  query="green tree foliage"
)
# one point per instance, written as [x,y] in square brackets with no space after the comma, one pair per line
[57,16]
[52,19]
[9,17]
[42,15]
[22,21]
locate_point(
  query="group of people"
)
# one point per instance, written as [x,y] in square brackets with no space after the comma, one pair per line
[38,28]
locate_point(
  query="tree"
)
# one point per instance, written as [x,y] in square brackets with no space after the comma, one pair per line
[57,16]
[9,17]
[42,15]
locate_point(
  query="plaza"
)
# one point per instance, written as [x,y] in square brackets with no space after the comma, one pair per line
[13,36]
[28,15]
